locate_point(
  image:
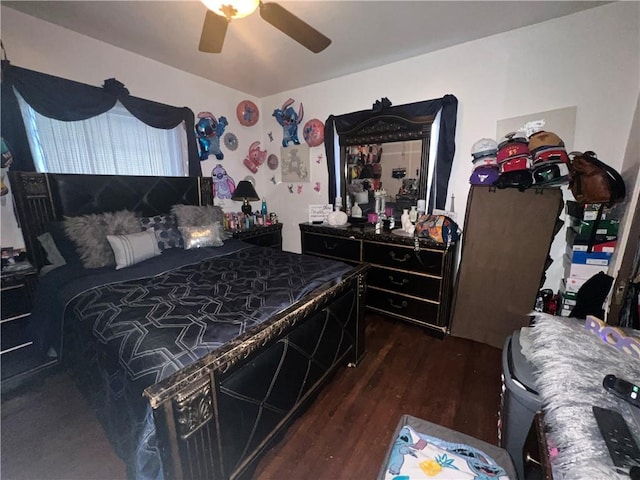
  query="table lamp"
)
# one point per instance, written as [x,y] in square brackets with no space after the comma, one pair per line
[245,193]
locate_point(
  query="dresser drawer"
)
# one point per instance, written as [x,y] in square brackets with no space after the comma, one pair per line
[335,247]
[15,301]
[403,257]
[14,333]
[405,282]
[407,307]
[273,239]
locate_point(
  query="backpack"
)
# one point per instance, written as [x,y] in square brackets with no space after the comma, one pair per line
[593,181]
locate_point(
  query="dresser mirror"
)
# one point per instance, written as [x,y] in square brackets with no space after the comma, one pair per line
[389,146]
[385,152]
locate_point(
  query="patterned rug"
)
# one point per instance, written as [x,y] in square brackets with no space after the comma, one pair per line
[572,363]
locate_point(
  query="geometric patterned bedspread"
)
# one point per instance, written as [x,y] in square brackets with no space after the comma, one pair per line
[120,338]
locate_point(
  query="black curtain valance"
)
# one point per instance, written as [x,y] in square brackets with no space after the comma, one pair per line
[446,143]
[67,100]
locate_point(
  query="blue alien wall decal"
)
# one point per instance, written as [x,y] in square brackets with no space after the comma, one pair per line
[209,130]
[289,119]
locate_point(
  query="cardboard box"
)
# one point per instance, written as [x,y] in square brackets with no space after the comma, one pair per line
[589,258]
[589,211]
[572,285]
[602,243]
[580,270]
[584,228]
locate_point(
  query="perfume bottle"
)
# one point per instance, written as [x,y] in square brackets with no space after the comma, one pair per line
[356,211]
[413,214]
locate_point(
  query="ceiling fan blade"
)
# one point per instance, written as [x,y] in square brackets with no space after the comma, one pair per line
[213,32]
[291,25]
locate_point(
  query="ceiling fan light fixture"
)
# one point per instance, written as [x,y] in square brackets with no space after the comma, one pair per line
[232,8]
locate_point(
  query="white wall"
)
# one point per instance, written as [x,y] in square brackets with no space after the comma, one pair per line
[590,60]
[58,51]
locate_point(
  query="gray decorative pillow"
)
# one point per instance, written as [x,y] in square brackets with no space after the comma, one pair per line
[133,248]
[89,233]
[202,236]
[194,215]
[166,230]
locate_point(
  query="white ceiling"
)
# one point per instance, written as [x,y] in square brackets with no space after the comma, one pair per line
[261,61]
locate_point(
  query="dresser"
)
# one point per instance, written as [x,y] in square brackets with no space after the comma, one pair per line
[408,281]
[18,354]
[264,236]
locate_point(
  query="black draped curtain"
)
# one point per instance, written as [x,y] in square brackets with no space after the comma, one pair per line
[446,141]
[66,100]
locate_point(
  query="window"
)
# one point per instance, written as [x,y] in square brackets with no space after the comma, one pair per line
[113,143]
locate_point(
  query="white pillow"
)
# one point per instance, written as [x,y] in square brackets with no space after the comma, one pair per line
[133,248]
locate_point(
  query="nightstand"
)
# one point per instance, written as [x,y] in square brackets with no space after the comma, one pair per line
[18,354]
[264,236]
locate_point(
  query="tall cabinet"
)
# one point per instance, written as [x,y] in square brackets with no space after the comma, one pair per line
[506,239]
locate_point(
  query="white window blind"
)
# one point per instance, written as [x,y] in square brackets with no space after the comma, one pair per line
[113,143]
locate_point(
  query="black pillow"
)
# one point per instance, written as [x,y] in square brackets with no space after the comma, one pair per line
[65,245]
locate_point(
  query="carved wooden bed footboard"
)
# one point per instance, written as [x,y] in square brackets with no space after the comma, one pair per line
[215,418]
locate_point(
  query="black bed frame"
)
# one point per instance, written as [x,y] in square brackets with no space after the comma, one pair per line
[216,417]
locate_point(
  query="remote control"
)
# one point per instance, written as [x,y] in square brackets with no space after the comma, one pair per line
[622,447]
[623,389]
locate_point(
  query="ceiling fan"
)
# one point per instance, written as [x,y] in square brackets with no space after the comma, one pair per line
[221,12]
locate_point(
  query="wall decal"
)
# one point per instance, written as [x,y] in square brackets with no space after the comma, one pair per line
[272,161]
[313,132]
[320,158]
[289,119]
[270,136]
[223,184]
[255,157]
[316,187]
[230,141]
[247,113]
[295,163]
[299,189]
[290,187]
[209,130]
[273,180]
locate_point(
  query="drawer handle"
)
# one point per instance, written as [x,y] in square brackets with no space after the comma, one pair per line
[405,257]
[528,459]
[404,304]
[395,282]
[333,246]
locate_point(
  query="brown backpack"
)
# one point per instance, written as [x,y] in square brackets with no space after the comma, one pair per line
[593,181]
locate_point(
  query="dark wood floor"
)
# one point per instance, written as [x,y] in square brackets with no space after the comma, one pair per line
[48,432]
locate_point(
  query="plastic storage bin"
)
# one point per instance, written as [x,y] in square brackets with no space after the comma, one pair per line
[519,400]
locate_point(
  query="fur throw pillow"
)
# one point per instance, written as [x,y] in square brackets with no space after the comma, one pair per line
[197,216]
[89,234]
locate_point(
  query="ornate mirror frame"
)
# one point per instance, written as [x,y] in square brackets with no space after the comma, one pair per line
[385,123]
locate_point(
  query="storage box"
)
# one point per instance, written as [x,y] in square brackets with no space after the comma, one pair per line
[581,270]
[589,258]
[572,285]
[589,211]
[601,243]
[584,228]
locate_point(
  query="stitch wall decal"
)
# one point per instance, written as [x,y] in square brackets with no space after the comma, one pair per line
[289,120]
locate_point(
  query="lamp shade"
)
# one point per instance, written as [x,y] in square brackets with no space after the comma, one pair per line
[244,190]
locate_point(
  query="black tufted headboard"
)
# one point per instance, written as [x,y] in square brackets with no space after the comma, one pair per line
[42,198]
